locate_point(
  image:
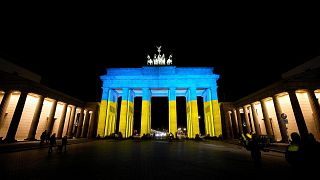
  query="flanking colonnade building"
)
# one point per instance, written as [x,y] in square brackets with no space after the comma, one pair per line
[289,105]
[27,108]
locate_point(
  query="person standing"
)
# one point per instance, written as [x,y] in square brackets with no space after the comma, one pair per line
[255,149]
[64,142]
[293,153]
[52,142]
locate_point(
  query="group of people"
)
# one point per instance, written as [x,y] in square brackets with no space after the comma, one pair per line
[52,140]
[251,142]
[302,151]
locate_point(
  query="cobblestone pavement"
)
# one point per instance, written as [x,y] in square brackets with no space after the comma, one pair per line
[110,159]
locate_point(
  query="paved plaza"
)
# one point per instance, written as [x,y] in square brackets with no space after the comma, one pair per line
[131,159]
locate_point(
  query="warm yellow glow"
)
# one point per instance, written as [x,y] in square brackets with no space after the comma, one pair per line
[61,103]
[110,118]
[57,117]
[282,94]
[123,117]
[192,119]
[46,107]
[49,99]
[102,118]
[173,117]
[130,119]
[317,93]
[126,118]
[209,122]
[16,92]
[307,113]
[273,119]
[286,108]
[217,118]
[267,99]
[5,123]
[26,117]
[189,124]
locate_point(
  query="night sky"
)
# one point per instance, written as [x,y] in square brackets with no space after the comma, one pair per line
[71,45]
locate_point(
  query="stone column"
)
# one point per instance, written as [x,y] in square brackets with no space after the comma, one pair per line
[216,113]
[80,123]
[303,130]
[266,117]
[71,121]
[35,119]
[255,119]
[229,130]
[208,114]
[4,105]
[315,107]
[92,124]
[239,121]
[111,116]
[103,113]
[51,116]
[194,112]
[62,120]
[86,125]
[172,111]
[16,118]
[282,126]
[145,111]
[234,124]
[126,112]
[245,111]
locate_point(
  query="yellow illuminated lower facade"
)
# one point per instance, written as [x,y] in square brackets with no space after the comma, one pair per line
[173,117]
[102,117]
[108,115]
[192,119]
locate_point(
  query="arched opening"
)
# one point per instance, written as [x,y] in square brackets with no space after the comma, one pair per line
[118,114]
[159,113]
[201,115]
[181,116]
[137,116]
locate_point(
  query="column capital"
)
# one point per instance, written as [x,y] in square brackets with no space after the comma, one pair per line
[291,91]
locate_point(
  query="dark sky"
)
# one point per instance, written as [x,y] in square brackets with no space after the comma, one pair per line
[71,45]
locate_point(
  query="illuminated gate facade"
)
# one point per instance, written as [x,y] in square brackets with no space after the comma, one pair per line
[159,81]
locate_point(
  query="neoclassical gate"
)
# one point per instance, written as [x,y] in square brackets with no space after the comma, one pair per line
[158,81]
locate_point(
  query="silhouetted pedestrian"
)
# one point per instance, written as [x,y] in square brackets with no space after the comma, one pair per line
[52,142]
[293,152]
[43,137]
[47,136]
[255,149]
[64,142]
[310,151]
[171,137]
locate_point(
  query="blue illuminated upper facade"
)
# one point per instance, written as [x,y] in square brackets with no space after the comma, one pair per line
[159,79]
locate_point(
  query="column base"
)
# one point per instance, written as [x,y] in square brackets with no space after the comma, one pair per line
[30,139]
[9,140]
[284,141]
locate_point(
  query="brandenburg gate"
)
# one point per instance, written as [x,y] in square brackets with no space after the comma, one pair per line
[159,79]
